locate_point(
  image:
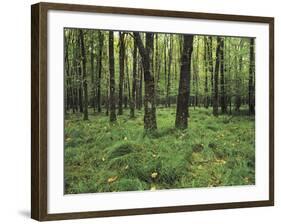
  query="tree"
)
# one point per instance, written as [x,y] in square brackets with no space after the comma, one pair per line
[206,103]
[184,83]
[99,68]
[79,73]
[112,114]
[133,98]
[222,79]
[68,103]
[211,66]
[121,71]
[168,100]
[93,78]
[84,80]
[238,73]
[251,100]
[216,79]
[149,98]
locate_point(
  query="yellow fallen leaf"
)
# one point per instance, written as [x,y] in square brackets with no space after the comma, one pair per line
[220,161]
[154,174]
[68,139]
[112,179]
[103,159]
[126,167]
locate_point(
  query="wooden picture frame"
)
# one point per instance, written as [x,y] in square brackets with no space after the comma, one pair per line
[39,109]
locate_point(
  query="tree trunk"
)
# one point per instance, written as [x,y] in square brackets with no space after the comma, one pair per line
[133,98]
[93,79]
[150,123]
[216,79]
[67,77]
[238,75]
[251,100]
[168,100]
[80,78]
[140,72]
[206,103]
[85,84]
[222,79]
[112,114]
[99,67]
[121,71]
[211,66]
[184,84]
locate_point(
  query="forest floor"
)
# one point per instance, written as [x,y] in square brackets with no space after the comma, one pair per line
[103,157]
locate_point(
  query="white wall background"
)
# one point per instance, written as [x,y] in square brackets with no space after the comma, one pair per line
[15,112]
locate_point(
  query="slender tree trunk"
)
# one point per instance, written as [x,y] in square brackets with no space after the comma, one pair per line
[197,74]
[206,104]
[67,75]
[222,79]
[216,79]
[121,71]
[238,73]
[93,79]
[149,98]
[211,66]
[80,78]
[99,67]
[140,101]
[168,100]
[85,84]
[112,114]
[184,84]
[157,67]
[251,100]
[133,99]
[165,65]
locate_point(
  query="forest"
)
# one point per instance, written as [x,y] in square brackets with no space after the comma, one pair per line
[152,111]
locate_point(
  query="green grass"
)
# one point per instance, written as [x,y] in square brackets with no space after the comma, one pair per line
[104,157]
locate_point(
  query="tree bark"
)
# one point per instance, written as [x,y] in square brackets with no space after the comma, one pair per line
[251,100]
[222,79]
[211,65]
[99,67]
[121,71]
[84,80]
[150,123]
[238,75]
[93,78]
[133,98]
[216,79]
[112,114]
[184,84]
[79,73]
[206,104]
[168,100]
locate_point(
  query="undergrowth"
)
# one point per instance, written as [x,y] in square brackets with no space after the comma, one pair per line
[104,157]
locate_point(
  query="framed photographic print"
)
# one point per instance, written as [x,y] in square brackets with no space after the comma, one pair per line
[138,111]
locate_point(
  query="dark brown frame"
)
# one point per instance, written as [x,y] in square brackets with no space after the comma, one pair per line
[39,110]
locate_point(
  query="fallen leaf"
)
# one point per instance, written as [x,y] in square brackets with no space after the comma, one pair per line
[154,174]
[112,179]
[68,139]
